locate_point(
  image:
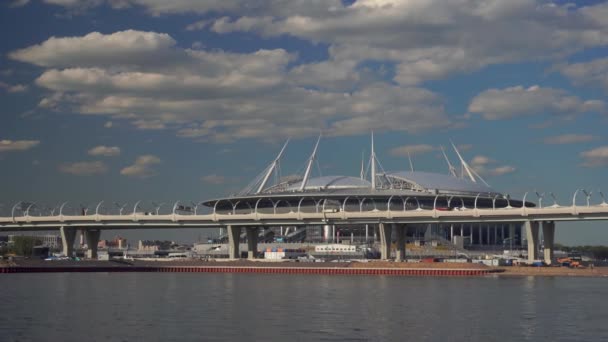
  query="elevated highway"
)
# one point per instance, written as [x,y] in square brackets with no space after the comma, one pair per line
[387,220]
[257,219]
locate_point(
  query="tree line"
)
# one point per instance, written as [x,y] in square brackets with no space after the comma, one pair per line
[596,252]
[21,245]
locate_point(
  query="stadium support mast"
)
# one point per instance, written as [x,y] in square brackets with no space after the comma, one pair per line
[271,169]
[451,167]
[410,158]
[470,171]
[362,165]
[466,166]
[373,166]
[311,160]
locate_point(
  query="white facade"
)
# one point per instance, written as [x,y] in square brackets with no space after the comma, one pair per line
[335,248]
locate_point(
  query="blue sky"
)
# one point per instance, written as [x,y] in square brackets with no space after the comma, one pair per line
[188,100]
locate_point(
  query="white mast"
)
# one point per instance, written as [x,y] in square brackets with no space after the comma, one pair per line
[410,158]
[451,168]
[373,166]
[464,164]
[362,174]
[311,160]
[271,169]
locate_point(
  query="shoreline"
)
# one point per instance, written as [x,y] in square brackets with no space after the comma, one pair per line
[325,268]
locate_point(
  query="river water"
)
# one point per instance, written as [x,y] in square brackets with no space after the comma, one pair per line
[238,307]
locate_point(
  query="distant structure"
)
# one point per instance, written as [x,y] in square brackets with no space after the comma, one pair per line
[154,245]
[53,242]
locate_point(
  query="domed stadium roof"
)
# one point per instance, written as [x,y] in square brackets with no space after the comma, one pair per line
[331,182]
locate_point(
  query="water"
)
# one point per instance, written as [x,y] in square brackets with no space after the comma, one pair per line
[235,307]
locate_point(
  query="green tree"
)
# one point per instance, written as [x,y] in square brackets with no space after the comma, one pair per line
[24,245]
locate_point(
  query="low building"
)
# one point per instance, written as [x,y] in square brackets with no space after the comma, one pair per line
[335,248]
[283,253]
[155,245]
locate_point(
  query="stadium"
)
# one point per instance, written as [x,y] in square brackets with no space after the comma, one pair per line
[376,190]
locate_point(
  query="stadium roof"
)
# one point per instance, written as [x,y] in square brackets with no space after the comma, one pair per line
[331,182]
[435,181]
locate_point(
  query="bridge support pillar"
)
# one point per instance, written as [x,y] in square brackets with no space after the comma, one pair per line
[471,234]
[68,236]
[511,235]
[548,237]
[234,235]
[385,240]
[532,234]
[92,238]
[252,242]
[400,248]
[326,233]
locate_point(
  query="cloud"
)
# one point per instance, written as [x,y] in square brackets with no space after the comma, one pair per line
[432,39]
[142,168]
[17,145]
[214,179]
[507,103]
[424,40]
[105,151]
[221,96]
[595,157]
[158,7]
[481,160]
[569,139]
[592,73]
[485,166]
[464,147]
[18,3]
[85,168]
[197,26]
[403,151]
[501,170]
[96,49]
[17,88]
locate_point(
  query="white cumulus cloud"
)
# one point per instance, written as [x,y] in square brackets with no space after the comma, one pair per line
[595,157]
[105,151]
[97,49]
[219,96]
[403,151]
[591,73]
[486,166]
[569,139]
[17,145]
[13,88]
[142,168]
[507,103]
[84,168]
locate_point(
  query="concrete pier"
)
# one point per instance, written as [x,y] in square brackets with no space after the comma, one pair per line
[385,240]
[400,248]
[548,238]
[252,242]
[234,234]
[92,238]
[68,236]
[512,235]
[532,234]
